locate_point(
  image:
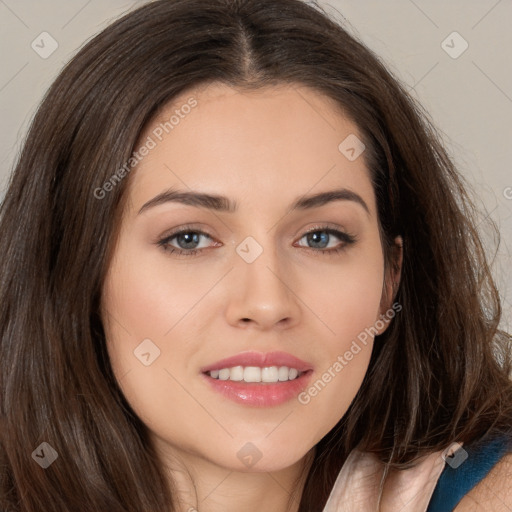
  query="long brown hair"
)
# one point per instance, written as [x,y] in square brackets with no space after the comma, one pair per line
[440,373]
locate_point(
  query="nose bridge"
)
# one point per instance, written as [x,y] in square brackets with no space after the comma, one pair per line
[261,266]
[264,293]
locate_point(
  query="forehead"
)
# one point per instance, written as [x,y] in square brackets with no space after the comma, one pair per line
[269,143]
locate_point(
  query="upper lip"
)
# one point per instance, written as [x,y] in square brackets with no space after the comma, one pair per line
[261,360]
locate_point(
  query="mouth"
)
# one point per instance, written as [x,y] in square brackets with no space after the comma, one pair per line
[259,380]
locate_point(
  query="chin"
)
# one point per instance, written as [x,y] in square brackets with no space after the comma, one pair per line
[249,458]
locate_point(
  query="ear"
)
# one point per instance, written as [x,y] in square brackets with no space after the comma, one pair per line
[390,286]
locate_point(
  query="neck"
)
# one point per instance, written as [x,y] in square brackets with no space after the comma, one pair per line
[200,485]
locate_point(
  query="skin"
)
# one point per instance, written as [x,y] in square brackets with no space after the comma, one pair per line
[264,150]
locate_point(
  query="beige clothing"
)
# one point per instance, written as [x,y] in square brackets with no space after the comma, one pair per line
[357,486]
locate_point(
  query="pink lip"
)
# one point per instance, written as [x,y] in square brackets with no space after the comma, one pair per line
[260,394]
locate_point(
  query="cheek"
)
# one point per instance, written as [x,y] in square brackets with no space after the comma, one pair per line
[346,297]
[149,297]
[136,308]
[348,304]
[143,310]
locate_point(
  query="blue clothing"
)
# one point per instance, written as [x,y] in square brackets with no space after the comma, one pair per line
[455,482]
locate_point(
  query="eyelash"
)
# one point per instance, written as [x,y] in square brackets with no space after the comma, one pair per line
[346,238]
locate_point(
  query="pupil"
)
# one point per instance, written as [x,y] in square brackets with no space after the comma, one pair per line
[314,237]
[189,238]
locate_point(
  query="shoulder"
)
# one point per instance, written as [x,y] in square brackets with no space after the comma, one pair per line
[494,492]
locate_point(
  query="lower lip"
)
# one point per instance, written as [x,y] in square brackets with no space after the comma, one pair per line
[260,394]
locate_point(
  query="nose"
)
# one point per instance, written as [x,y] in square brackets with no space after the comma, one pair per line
[262,294]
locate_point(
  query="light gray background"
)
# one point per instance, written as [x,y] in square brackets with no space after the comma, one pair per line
[468,97]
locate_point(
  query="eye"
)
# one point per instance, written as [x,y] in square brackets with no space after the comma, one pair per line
[320,237]
[187,241]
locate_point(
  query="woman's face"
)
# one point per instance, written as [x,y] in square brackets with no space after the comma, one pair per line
[246,283]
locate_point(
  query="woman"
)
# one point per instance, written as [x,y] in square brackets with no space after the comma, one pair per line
[240,270]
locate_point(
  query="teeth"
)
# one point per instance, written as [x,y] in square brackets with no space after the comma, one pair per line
[236,373]
[256,374]
[269,374]
[283,373]
[252,374]
[224,374]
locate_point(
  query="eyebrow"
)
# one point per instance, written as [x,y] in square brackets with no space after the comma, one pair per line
[224,204]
